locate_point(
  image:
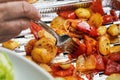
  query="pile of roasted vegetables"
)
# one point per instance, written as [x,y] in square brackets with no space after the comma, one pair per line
[96,51]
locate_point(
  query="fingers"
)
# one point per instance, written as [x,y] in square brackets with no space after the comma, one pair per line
[12,28]
[19,9]
[1,1]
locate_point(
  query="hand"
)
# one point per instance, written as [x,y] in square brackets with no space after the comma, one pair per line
[11,0]
[15,17]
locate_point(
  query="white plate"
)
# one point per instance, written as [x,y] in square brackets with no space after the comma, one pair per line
[25,69]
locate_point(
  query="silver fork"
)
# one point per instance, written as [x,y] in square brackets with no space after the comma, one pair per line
[65,43]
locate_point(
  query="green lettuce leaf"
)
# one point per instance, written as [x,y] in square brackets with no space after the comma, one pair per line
[6,67]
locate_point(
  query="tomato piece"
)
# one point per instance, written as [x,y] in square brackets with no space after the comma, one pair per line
[113,13]
[112,67]
[97,6]
[107,19]
[67,14]
[84,27]
[58,71]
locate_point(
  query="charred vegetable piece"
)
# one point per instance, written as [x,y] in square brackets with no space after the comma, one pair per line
[35,29]
[58,71]
[67,14]
[84,27]
[115,56]
[107,19]
[113,13]
[112,67]
[97,6]
[99,62]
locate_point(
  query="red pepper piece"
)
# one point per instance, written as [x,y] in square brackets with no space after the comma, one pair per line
[97,6]
[90,45]
[67,14]
[112,67]
[107,19]
[84,27]
[35,29]
[99,62]
[113,13]
[115,56]
[81,49]
[58,71]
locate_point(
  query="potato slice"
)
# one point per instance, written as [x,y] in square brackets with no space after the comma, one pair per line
[113,30]
[11,44]
[115,49]
[104,45]
[82,13]
[65,66]
[43,33]
[44,48]
[96,20]
[113,77]
[58,25]
[40,55]
[101,30]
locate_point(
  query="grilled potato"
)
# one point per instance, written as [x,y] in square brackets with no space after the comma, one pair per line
[41,55]
[11,44]
[104,45]
[115,49]
[58,25]
[96,20]
[113,30]
[101,30]
[44,50]
[43,33]
[82,13]
[113,77]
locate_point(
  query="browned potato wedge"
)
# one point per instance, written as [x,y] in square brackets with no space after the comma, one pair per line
[104,45]
[58,25]
[102,30]
[82,13]
[96,20]
[113,77]
[11,44]
[41,42]
[43,33]
[115,49]
[65,66]
[41,55]
[114,39]
[113,30]
[44,50]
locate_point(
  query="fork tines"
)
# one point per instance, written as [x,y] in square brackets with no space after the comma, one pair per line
[69,46]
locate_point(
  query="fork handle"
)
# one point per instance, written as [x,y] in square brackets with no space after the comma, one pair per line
[47,28]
